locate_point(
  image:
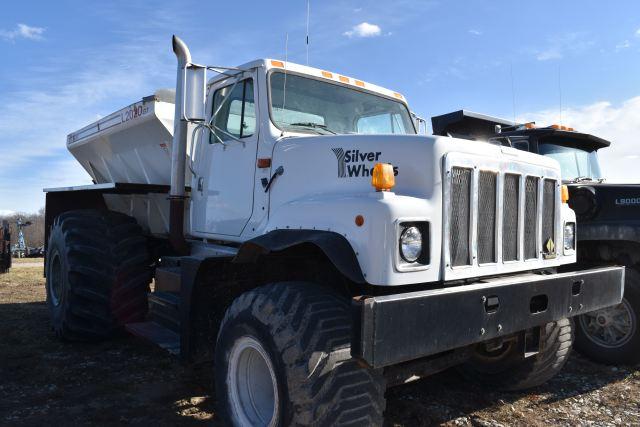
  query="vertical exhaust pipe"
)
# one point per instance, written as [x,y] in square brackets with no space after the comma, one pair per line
[178,155]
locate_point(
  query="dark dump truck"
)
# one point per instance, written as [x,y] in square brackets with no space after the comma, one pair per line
[5,247]
[608,217]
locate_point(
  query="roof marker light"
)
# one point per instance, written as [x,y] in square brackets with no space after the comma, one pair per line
[398,95]
[343,79]
[359,83]
[327,74]
[277,63]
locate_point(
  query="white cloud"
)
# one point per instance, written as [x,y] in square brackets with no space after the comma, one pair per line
[364,30]
[623,45]
[475,32]
[549,54]
[638,32]
[616,123]
[23,31]
[563,45]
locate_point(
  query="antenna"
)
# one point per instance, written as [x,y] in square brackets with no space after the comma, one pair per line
[513,95]
[307,39]
[560,93]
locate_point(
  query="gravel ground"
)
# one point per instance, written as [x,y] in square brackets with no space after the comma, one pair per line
[127,381]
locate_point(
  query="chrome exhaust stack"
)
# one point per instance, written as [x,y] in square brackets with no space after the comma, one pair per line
[178,153]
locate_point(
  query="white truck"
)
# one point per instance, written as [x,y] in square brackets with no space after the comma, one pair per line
[322,250]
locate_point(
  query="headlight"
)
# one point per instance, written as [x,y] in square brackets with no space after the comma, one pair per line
[411,244]
[569,236]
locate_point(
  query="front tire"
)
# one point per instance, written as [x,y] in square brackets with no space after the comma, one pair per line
[98,274]
[283,358]
[612,335]
[508,369]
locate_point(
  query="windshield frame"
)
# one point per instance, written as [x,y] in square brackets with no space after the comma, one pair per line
[272,71]
[570,146]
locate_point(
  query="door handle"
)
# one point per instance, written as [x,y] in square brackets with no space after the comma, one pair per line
[200,184]
[266,183]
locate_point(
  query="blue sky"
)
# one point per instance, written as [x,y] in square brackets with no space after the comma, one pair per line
[66,63]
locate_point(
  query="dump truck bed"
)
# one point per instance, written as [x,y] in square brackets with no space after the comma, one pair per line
[131,145]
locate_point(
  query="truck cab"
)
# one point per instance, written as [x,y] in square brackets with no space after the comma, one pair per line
[304,237]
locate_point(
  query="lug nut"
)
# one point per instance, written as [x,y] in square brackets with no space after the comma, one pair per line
[499,327]
[482,331]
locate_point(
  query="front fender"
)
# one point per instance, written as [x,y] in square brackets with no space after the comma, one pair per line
[375,242]
[334,245]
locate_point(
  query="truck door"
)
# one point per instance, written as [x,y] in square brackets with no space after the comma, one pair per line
[224,172]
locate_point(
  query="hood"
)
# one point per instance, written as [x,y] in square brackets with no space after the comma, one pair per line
[605,202]
[342,164]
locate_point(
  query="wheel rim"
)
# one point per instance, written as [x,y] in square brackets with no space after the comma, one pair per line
[55,279]
[253,388]
[611,327]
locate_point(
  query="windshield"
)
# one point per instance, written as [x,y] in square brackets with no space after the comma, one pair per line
[574,162]
[318,107]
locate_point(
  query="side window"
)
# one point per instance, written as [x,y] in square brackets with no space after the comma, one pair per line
[237,116]
[380,124]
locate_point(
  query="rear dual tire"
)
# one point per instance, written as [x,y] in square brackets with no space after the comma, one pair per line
[283,358]
[98,274]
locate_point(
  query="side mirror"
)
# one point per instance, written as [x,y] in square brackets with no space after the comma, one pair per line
[195,80]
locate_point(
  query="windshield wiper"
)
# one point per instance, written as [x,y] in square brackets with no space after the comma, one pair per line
[313,126]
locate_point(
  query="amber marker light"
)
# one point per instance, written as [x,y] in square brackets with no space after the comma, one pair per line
[327,74]
[564,192]
[277,63]
[359,220]
[382,177]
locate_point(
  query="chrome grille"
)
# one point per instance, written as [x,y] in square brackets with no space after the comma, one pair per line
[548,209]
[511,195]
[494,218]
[460,216]
[487,188]
[530,217]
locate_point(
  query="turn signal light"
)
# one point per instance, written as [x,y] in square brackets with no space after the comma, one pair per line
[564,192]
[382,177]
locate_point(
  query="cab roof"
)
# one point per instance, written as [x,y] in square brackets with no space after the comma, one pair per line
[471,125]
[276,64]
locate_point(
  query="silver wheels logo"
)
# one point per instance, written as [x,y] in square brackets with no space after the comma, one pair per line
[342,167]
[357,164]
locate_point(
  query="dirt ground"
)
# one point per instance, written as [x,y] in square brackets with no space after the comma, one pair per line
[127,381]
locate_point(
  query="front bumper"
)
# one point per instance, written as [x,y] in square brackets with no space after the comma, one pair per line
[397,328]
